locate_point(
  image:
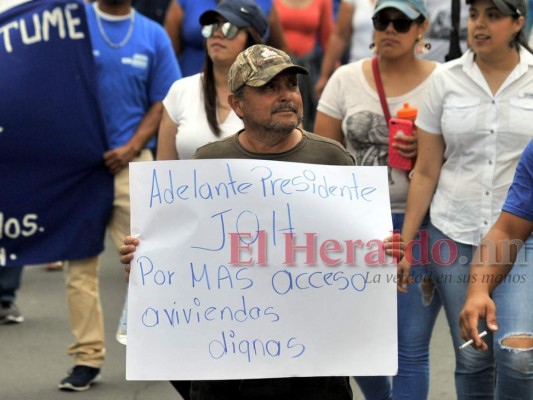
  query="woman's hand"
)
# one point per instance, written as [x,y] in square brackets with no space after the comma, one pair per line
[407,145]
[126,253]
[394,246]
[404,278]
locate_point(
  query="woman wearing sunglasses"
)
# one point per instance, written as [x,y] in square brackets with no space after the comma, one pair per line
[472,129]
[196,109]
[350,111]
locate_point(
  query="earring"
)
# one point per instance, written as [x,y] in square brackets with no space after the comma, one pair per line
[422,47]
[373,47]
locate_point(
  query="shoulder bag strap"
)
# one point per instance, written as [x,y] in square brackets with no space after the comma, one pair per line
[381,92]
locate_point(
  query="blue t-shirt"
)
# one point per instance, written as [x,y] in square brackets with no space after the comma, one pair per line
[192,53]
[132,77]
[520,197]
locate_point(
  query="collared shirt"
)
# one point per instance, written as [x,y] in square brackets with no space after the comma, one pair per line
[484,136]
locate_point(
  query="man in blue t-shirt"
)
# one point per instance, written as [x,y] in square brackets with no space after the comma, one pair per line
[135,66]
[497,254]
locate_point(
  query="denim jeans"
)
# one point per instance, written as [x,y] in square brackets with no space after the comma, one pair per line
[417,312]
[513,298]
[475,371]
[10,278]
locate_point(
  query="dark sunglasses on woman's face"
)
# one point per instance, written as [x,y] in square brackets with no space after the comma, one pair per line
[401,25]
[229,31]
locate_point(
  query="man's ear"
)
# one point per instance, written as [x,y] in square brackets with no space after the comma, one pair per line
[235,104]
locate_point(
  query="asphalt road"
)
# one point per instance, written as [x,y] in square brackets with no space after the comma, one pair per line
[33,355]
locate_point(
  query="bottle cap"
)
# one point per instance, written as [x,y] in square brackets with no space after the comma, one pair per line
[407,112]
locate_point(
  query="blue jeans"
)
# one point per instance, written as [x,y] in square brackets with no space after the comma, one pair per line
[513,298]
[10,278]
[475,371]
[417,312]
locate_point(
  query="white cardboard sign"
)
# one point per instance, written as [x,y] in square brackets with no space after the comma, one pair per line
[259,269]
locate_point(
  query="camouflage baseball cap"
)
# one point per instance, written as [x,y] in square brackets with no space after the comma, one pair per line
[259,64]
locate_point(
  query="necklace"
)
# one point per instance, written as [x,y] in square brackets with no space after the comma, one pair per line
[109,42]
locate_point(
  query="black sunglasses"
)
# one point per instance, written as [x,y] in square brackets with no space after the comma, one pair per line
[401,25]
[229,31]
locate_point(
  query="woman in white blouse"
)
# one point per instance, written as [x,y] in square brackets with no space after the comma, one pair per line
[472,130]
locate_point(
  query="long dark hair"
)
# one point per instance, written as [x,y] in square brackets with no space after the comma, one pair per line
[208,83]
[520,40]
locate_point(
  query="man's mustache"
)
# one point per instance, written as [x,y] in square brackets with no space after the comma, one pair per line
[285,107]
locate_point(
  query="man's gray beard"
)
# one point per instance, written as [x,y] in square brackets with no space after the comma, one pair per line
[272,133]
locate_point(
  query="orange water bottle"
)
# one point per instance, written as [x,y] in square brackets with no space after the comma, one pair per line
[401,126]
[407,112]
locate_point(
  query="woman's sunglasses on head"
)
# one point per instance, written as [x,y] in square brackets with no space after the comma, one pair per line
[229,31]
[401,25]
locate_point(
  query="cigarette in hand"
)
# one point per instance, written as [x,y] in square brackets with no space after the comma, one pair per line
[468,343]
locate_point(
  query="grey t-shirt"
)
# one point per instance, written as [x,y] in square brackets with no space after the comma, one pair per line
[312,149]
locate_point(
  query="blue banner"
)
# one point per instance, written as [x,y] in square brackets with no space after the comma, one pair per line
[55,191]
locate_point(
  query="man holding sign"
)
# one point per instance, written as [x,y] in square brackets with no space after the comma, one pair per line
[265,95]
